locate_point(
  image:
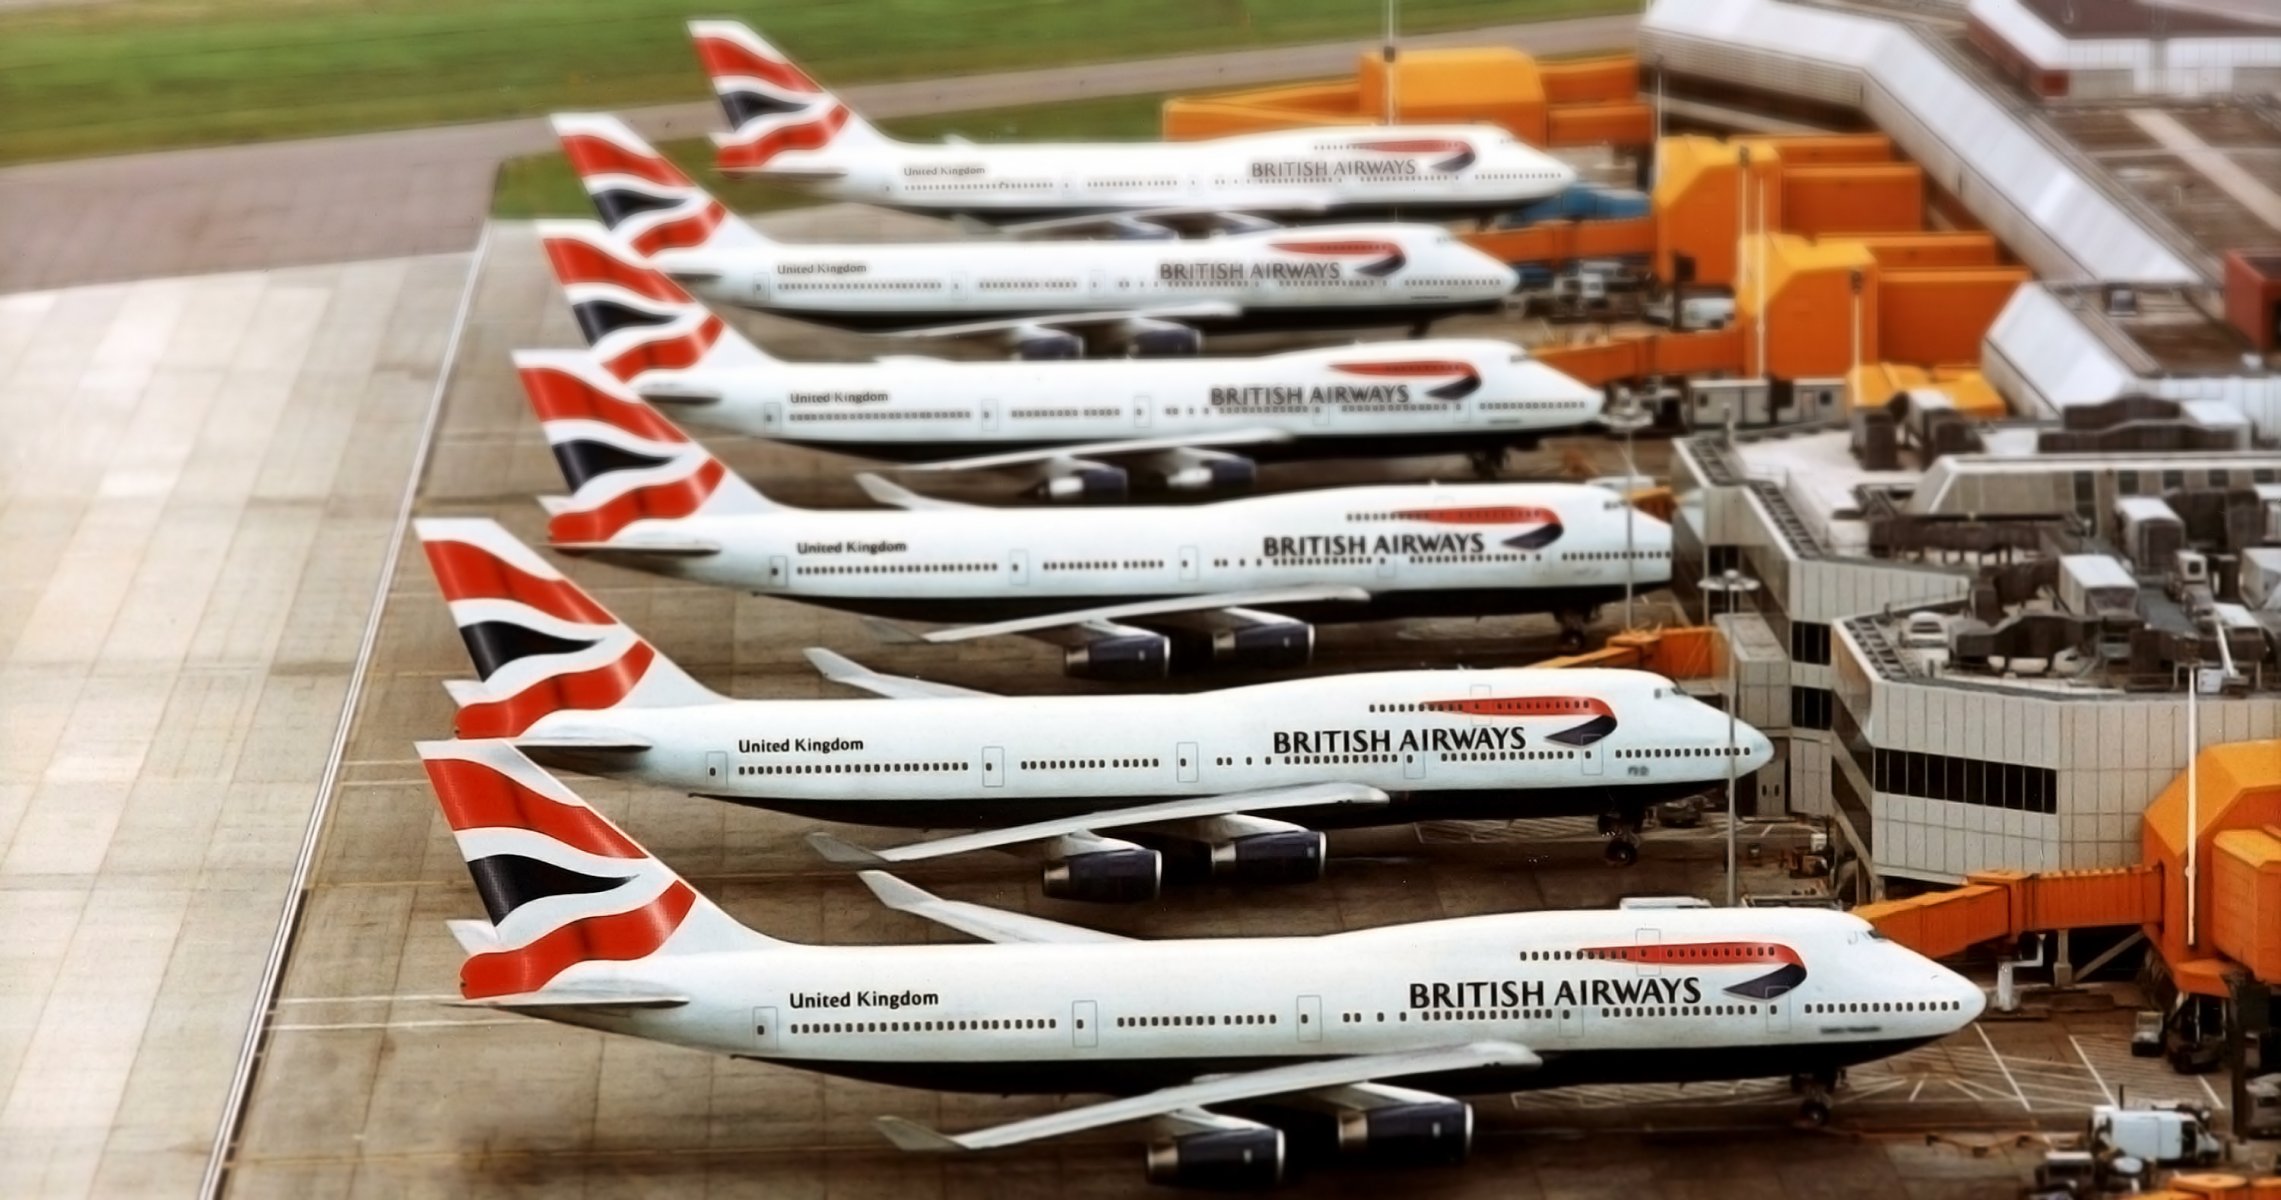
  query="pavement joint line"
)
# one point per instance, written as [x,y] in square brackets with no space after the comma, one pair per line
[2001,1065]
[241,1080]
[2209,1091]
[2097,1078]
[367,999]
[433,1024]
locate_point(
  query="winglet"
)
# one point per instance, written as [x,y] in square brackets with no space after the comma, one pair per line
[917,1138]
[893,892]
[835,850]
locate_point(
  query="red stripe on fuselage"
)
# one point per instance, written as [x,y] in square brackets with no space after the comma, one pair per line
[1524,706]
[1495,514]
[477,796]
[618,937]
[578,261]
[1702,954]
[587,691]
[1411,367]
[468,572]
[1340,249]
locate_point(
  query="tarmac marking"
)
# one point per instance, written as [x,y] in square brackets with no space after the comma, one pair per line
[435,1024]
[289,921]
[2104,1090]
[2001,1066]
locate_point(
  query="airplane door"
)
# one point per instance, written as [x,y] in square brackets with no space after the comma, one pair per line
[1310,1018]
[1189,560]
[1414,765]
[717,765]
[764,1028]
[1018,566]
[779,570]
[993,766]
[1190,762]
[1103,286]
[1595,759]
[1084,1025]
[771,416]
[1778,1015]
[759,285]
[1141,408]
[1571,1023]
[1323,413]
[989,414]
[1645,938]
[1386,566]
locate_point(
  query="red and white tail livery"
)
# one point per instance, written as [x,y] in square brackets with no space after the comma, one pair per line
[641,195]
[785,127]
[772,105]
[576,908]
[542,646]
[637,320]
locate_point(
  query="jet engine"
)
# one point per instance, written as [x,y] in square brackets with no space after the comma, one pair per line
[1264,641]
[1292,855]
[1191,470]
[1424,1132]
[1035,344]
[1240,1159]
[1069,479]
[1147,338]
[1125,874]
[1118,652]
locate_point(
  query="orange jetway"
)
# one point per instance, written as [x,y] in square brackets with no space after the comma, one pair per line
[1684,652]
[1941,315]
[1580,102]
[2002,905]
[1638,355]
[1564,241]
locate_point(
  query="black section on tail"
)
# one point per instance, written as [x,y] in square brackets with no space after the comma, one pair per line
[494,644]
[622,204]
[510,881]
[598,319]
[1771,984]
[582,461]
[1589,732]
[744,106]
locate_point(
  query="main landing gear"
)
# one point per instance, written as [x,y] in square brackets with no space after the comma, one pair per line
[1814,1096]
[1487,464]
[1572,624]
[1622,832]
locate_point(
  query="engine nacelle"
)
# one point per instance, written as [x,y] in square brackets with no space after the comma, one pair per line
[1106,876]
[1088,483]
[1165,341]
[1046,344]
[1133,229]
[1126,658]
[1274,645]
[1219,473]
[1219,1160]
[1295,856]
[1436,1133]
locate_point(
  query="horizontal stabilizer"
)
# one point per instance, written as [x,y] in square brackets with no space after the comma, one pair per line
[475,937]
[612,743]
[980,920]
[584,995]
[914,1137]
[1263,598]
[1118,449]
[840,669]
[1187,808]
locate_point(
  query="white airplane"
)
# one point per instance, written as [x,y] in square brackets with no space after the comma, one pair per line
[1238,582]
[787,129]
[1376,1028]
[1191,423]
[1149,295]
[564,678]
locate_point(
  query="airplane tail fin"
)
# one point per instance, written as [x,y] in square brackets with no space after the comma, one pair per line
[629,469]
[772,105]
[540,643]
[644,199]
[636,318]
[562,884]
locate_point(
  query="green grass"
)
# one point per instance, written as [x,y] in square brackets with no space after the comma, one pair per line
[543,185]
[107,77]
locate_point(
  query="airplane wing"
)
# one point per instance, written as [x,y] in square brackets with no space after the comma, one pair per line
[1118,449]
[1187,808]
[1200,310]
[989,924]
[898,496]
[1263,598]
[1169,218]
[840,669]
[1221,1089]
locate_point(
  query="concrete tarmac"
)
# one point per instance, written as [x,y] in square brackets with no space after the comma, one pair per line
[370,1083]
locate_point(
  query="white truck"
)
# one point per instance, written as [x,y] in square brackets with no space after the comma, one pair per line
[2167,1133]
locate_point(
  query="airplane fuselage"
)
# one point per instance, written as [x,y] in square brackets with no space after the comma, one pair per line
[1445,744]
[1333,276]
[1669,994]
[1305,174]
[1468,549]
[1415,397]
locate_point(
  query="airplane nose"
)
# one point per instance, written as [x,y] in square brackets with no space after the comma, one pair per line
[1969,997]
[1757,749]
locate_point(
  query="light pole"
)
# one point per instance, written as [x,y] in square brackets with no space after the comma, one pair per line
[1628,419]
[1393,18]
[1736,585]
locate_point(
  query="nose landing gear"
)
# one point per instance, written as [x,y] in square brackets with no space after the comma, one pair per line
[1572,623]
[1487,464]
[1622,832]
